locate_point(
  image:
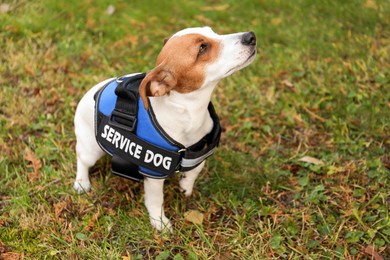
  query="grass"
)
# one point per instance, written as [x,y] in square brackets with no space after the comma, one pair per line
[320,88]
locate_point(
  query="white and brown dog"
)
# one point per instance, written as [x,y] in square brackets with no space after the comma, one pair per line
[179,89]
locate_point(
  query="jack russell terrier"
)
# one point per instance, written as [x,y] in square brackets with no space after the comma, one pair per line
[161,122]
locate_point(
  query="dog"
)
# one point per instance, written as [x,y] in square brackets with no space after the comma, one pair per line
[179,88]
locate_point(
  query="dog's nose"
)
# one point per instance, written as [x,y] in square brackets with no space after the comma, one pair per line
[248,38]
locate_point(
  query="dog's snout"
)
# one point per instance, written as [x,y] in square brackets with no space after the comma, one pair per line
[248,38]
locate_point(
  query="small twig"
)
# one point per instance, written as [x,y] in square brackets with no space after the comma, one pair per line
[314,115]
[276,201]
[32,192]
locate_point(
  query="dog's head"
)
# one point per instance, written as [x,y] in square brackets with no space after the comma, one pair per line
[197,57]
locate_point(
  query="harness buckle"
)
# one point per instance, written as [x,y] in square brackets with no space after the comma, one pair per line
[178,167]
[119,79]
[124,121]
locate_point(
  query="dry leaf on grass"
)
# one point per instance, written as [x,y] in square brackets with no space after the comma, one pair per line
[4,8]
[3,248]
[277,21]
[11,256]
[221,7]
[194,216]
[36,164]
[370,4]
[369,250]
[58,209]
[91,224]
[311,160]
[287,83]
[29,69]
[203,19]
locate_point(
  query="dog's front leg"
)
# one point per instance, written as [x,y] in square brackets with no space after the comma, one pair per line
[154,199]
[188,180]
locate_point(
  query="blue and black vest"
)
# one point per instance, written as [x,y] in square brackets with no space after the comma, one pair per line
[136,142]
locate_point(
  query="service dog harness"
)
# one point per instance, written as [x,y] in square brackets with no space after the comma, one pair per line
[136,142]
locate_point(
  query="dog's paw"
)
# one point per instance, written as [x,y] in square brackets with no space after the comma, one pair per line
[163,224]
[82,186]
[186,186]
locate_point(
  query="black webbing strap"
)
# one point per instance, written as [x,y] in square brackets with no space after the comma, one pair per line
[125,113]
[126,107]
[116,135]
[128,149]
[125,169]
[203,149]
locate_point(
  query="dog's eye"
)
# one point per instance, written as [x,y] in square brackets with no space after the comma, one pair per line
[203,48]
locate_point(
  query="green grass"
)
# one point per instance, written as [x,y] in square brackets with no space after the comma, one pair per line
[320,87]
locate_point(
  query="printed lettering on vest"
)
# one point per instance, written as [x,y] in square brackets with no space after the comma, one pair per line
[158,159]
[128,146]
[147,147]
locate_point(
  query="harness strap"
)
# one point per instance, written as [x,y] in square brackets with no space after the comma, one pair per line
[193,156]
[128,147]
[125,168]
[125,113]
[116,134]
[126,107]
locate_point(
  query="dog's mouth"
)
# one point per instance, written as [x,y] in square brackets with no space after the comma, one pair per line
[252,54]
[244,64]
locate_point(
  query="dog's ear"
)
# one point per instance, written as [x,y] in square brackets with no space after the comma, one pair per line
[167,39]
[158,82]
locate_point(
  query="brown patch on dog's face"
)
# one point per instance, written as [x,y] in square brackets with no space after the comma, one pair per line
[181,65]
[186,57]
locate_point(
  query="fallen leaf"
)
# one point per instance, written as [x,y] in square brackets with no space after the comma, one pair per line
[158,239]
[91,23]
[271,95]
[3,248]
[369,250]
[92,221]
[276,21]
[311,160]
[194,216]
[203,19]
[129,39]
[298,119]
[11,256]
[287,83]
[370,4]
[5,197]
[4,8]
[58,209]
[29,69]
[386,161]
[222,7]
[36,164]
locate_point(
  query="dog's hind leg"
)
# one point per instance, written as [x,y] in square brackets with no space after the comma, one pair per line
[87,149]
[188,180]
[85,159]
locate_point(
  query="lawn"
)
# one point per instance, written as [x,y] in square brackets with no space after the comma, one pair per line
[303,168]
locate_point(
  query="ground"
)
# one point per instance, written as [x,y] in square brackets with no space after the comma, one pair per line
[303,169]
